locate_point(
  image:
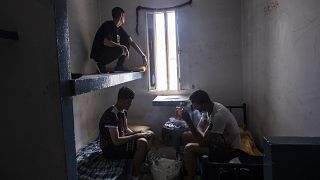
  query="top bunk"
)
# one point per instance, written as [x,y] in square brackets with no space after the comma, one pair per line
[89,83]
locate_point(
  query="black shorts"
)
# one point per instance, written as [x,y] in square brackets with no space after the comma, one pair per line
[108,55]
[123,151]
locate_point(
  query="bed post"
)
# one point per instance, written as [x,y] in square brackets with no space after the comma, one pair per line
[245,114]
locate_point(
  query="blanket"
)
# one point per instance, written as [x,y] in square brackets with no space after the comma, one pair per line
[92,165]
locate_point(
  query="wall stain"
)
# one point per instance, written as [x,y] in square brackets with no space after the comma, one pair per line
[270,6]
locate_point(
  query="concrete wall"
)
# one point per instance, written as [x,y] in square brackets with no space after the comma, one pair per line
[209,34]
[83,22]
[31,125]
[281,65]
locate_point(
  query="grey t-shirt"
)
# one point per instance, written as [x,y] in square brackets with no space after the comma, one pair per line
[223,122]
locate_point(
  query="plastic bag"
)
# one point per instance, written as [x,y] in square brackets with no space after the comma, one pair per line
[165,169]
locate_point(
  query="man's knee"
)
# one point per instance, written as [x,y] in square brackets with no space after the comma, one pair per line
[151,134]
[142,144]
[187,137]
[110,54]
[190,148]
[119,51]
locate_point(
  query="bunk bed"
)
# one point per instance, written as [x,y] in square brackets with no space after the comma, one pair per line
[70,86]
[91,164]
[89,83]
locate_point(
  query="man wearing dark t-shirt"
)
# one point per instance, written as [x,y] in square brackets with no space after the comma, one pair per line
[117,141]
[112,42]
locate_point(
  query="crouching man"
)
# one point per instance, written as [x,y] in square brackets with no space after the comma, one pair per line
[117,141]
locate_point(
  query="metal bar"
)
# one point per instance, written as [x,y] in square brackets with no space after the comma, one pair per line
[244,109]
[167,49]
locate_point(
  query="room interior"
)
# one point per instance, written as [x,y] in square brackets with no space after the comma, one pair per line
[264,53]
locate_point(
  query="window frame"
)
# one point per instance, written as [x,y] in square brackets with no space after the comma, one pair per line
[153,88]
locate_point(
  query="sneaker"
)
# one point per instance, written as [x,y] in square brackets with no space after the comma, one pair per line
[75,75]
[121,69]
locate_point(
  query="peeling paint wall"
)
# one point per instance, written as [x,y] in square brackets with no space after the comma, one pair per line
[32,145]
[281,65]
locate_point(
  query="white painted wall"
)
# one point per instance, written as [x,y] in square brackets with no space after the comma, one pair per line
[31,131]
[281,65]
[209,34]
[83,22]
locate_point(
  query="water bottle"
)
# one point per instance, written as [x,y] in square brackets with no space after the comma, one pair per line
[178,112]
[205,116]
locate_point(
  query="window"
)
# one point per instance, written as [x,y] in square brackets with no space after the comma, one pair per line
[162,49]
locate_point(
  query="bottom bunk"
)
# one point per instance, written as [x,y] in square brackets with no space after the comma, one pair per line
[91,164]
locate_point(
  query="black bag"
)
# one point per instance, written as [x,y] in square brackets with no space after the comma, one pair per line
[172,132]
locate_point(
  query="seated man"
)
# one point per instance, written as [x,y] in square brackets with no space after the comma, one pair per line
[117,141]
[112,42]
[221,123]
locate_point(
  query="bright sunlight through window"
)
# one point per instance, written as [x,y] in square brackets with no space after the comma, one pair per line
[162,46]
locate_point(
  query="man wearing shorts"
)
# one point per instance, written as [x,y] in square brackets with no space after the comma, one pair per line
[112,42]
[117,141]
[221,127]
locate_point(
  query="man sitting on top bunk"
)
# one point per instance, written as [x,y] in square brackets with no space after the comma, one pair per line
[112,42]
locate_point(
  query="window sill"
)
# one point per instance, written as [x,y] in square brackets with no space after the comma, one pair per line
[172,100]
[169,92]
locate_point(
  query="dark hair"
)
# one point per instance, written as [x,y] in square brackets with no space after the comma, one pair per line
[125,93]
[116,12]
[200,97]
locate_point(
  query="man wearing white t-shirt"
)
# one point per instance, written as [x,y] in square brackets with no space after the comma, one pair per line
[221,124]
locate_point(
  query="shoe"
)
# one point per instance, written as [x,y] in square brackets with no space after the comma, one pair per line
[121,69]
[75,75]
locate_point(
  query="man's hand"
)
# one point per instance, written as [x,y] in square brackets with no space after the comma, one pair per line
[144,60]
[186,117]
[143,135]
[125,50]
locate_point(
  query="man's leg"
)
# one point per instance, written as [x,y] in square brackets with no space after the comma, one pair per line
[121,61]
[187,137]
[151,138]
[191,152]
[139,156]
[122,58]
[108,56]
[101,67]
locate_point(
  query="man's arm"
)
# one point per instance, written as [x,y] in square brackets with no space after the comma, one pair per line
[137,48]
[108,42]
[126,128]
[202,125]
[114,133]
[196,133]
